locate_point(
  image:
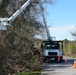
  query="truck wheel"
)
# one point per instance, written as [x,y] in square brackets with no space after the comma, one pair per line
[61,60]
[56,59]
[44,60]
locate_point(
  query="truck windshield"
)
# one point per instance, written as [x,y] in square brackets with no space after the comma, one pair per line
[51,46]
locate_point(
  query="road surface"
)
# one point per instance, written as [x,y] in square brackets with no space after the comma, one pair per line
[55,68]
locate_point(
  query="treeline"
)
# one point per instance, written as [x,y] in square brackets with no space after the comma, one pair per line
[69,48]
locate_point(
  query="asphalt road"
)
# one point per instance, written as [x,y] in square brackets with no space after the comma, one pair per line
[55,68]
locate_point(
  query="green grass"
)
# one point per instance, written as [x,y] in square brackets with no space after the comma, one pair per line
[30,73]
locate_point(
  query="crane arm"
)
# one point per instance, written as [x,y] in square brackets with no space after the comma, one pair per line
[23,7]
[5,21]
[46,28]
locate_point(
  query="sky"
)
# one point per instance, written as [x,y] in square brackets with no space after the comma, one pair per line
[61,19]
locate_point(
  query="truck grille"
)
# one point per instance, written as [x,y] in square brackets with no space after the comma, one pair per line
[52,53]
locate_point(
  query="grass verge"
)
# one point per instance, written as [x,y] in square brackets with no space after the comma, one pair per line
[30,73]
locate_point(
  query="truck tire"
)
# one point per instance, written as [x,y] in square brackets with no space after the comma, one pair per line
[56,59]
[44,60]
[61,60]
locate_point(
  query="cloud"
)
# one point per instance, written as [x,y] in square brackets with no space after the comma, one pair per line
[62,32]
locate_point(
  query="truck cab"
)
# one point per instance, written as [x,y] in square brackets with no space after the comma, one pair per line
[51,50]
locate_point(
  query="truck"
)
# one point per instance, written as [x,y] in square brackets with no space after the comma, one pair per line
[52,50]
